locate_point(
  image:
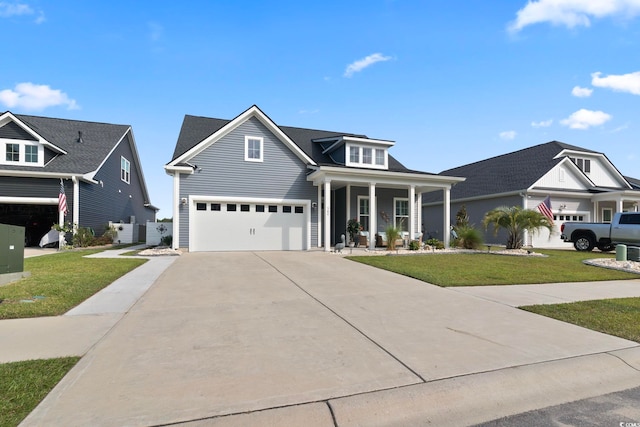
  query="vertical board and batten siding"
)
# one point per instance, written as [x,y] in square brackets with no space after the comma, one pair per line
[561,177]
[601,176]
[13,131]
[100,204]
[225,173]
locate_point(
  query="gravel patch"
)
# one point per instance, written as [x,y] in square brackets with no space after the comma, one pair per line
[628,266]
[159,251]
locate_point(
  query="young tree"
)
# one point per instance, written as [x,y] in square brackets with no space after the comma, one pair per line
[516,221]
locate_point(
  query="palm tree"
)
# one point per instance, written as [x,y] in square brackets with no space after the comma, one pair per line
[516,221]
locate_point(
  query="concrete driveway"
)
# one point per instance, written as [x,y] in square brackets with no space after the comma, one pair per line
[309,338]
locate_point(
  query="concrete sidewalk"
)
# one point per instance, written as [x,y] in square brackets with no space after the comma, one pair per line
[292,338]
[553,293]
[74,333]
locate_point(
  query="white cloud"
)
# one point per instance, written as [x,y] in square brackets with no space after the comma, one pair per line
[508,135]
[363,63]
[571,13]
[8,10]
[620,83]
[584,119]
[581,92]
[542,124]
[35,97]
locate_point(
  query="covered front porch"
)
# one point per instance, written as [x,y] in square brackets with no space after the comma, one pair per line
[607,203]
[376,199]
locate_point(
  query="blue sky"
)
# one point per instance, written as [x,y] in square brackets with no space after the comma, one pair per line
[451,82]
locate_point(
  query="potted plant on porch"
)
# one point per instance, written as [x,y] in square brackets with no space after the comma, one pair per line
[353,228]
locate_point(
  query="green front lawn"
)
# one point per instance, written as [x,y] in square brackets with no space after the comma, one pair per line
[619,317]
[59,282]
[474,269]
[23,385]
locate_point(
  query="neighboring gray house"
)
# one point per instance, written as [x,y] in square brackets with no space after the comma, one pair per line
[583,185]
[98,164]
[249,184]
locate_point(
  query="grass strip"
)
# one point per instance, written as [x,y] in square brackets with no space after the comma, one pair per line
[478,269]
[59,282]
[619,317]
[23,385]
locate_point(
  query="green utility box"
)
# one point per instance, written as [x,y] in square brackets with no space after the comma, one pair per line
[11,249]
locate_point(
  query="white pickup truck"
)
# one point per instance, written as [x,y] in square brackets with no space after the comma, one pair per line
[623,229]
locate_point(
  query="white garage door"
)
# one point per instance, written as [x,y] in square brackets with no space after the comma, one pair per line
[239,226]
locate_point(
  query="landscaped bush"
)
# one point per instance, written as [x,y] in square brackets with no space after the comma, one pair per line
[393,234]
[414,245]
[433,242]
[83,237]
[468,238]
[166,240]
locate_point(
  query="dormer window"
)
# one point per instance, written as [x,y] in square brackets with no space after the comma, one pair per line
[366,156]
[354,154]
[583,164]
[23,153]
[31,154]
[13,153]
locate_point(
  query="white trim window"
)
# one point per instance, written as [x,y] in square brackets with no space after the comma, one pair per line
[354,154]
[583,164]
[125,170]
[366,156]
[23,153]
[401,213]
[363,212]
[607,214]
[253,148]
[12,152]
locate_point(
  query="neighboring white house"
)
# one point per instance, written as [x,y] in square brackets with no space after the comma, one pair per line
[583,185]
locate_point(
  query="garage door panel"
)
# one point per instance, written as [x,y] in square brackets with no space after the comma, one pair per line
[266,227]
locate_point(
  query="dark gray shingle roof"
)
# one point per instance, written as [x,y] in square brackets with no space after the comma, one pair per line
[98,141]
[505,173]
[195,129]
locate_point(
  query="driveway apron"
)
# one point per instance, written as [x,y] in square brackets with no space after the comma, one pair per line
[232,333]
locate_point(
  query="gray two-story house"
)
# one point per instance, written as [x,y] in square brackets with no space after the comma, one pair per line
[97,165]
[249,184]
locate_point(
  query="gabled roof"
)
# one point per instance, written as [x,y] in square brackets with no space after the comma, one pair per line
[509,172]
[98,140]
[196,129]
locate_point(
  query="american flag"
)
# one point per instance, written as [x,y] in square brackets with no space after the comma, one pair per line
[545,208]
[62,200]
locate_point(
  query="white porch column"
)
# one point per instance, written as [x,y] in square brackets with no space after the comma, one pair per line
[175,242]
[327,216]
[348,213]
[373,216]
[319,215]
[412,212]
[596,205]
[76,204]
[446,232]
[419,214]
[620,204]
